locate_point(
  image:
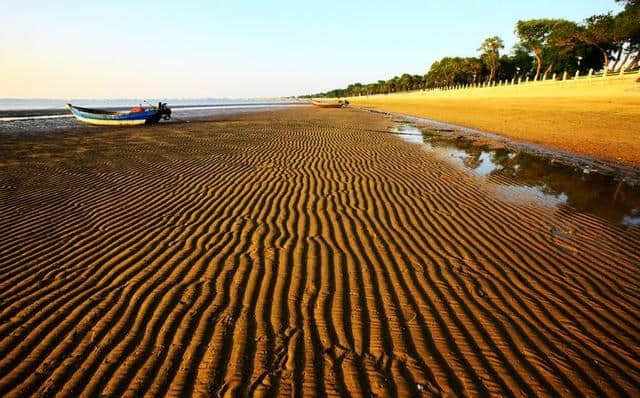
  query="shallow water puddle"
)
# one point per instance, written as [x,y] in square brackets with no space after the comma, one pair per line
[523,176]
[409,133]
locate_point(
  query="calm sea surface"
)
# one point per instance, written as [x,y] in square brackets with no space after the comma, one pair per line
[34,116]
[12,104]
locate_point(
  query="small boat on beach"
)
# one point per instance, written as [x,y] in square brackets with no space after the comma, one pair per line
[339,104]
[135,116]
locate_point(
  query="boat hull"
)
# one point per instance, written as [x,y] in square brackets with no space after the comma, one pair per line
[102,118]
[328,105]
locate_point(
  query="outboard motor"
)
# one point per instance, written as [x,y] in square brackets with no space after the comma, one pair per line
[164,110]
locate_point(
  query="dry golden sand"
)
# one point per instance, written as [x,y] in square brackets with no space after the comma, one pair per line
[599,118]
[297,252]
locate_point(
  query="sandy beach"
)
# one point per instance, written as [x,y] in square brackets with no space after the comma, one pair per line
[593,117]
[299,252]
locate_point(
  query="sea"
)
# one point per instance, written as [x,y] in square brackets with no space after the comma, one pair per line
[18,104]
[34,116]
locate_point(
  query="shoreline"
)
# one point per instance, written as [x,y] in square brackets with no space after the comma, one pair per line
[629,174]
[18,114]
[49,124]
[592,117]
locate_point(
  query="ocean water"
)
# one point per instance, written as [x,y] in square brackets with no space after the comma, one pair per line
[35,116]
[15,104]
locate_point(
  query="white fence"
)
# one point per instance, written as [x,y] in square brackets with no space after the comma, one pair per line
[553,78]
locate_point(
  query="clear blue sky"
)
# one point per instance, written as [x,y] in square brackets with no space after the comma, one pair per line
[115,49]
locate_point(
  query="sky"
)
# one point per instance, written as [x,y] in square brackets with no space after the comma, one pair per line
[240,49]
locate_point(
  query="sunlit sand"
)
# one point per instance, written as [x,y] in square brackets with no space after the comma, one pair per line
[298,252]
[597,117]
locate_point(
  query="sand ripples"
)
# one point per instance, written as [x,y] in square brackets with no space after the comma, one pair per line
[297,252]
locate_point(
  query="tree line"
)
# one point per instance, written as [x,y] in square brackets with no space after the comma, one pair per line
[605,42]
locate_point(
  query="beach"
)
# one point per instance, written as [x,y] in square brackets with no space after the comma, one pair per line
[595,117]
[306,252]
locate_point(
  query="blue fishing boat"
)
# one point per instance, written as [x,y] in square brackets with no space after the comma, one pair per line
[137,115]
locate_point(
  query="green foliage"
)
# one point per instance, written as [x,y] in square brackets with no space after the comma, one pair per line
[546,46]
[626,34]
[617,37]
[598,30]
[521,60]
[490,49]
[547,39]
[454,71]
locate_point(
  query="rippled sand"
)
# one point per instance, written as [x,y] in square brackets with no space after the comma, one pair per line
[300,251]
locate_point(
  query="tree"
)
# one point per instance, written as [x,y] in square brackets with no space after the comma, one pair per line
[598,32]
[405,82]
[555,44]
[507,69]
[490,48]
[626,36]
[615,35]
[520,58]
[533,34]
[392,84]
[451,71]
[542,35]
[473,66]
[382,87]
[561,44]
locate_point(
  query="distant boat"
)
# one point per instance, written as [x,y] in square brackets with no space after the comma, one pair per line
[338,104]
[137,115]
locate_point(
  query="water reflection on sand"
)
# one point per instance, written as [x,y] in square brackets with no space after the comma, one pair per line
[523,176]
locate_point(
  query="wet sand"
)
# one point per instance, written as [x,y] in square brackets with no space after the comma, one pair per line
[304,251]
